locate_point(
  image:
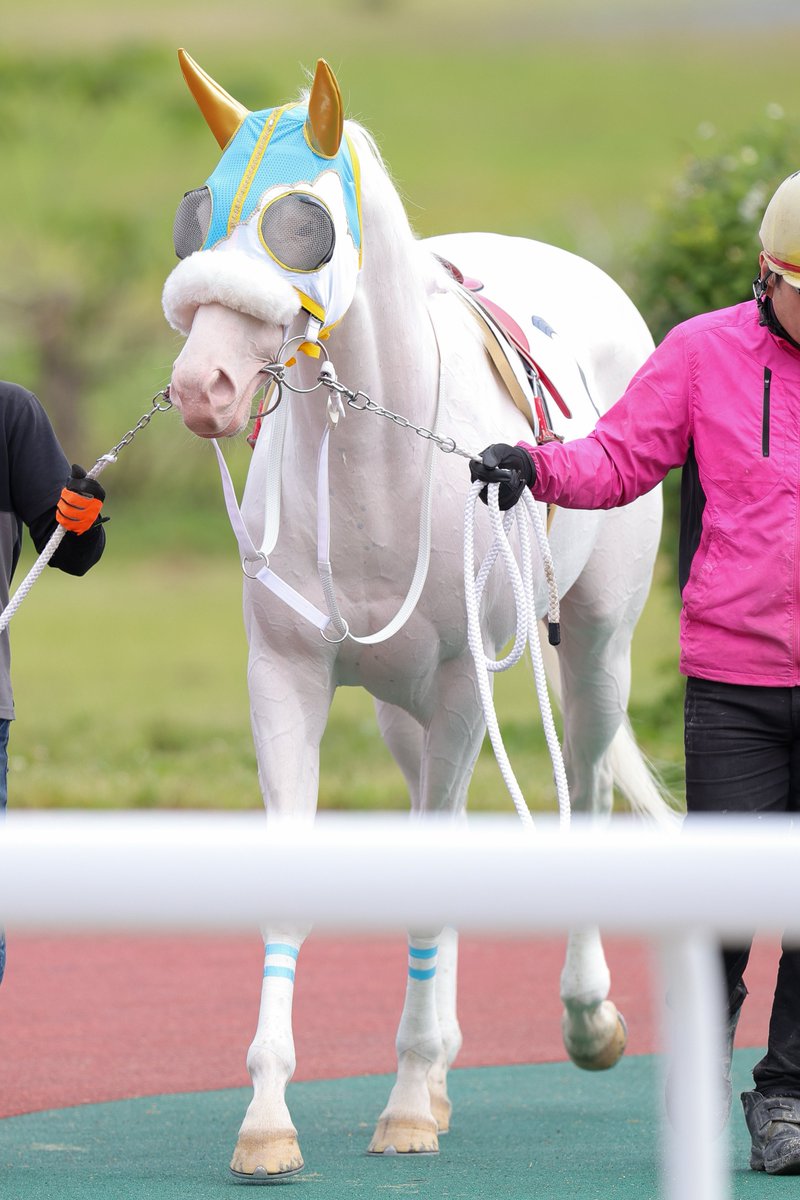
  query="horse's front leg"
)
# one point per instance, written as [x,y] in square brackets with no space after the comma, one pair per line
[449,1028]
[267,1146]
[428,1040]
[289,706]
[429,1036]
[407,1124]
[406,739]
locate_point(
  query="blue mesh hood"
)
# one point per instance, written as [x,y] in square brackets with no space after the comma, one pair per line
[287,160]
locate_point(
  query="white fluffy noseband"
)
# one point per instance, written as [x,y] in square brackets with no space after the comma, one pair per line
[227,277]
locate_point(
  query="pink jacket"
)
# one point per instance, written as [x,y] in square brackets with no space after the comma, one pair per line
[727,389]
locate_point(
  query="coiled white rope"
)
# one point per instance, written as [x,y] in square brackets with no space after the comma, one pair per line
[527,631]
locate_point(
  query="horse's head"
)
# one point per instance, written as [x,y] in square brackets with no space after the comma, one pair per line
[275,232]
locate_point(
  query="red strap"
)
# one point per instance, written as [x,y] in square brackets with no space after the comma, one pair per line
[520,343]
[515,334]
[787,266]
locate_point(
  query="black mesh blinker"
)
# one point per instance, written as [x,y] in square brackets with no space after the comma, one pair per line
[192,222]
[298,231]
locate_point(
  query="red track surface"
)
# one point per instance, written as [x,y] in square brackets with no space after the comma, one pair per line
[87,1019]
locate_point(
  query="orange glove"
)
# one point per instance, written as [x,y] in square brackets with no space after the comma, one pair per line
[80,502]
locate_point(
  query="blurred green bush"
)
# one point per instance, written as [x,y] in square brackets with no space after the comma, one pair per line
[701,249]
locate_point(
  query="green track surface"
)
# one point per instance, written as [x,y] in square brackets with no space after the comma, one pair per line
[542,1132]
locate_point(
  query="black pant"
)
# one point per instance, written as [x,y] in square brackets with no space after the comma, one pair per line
[743,756]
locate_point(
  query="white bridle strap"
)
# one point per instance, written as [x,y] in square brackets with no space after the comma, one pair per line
[272,500]
[323,551]
[249,554]
[286,593]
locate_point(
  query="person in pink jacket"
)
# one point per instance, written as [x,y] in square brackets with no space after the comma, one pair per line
[720,398]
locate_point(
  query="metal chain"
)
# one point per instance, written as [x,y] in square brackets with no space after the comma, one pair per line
[161,403]
[361,402]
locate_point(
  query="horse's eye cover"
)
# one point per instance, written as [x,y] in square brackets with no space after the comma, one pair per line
[295,228]
[192,222]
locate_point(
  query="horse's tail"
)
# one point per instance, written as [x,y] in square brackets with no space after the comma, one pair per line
[639,782]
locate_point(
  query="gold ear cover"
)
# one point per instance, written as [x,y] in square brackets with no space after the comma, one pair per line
[223,114]
[325,122]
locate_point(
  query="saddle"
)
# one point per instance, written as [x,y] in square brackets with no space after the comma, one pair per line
[502,335]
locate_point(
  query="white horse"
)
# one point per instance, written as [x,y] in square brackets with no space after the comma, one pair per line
[299,232]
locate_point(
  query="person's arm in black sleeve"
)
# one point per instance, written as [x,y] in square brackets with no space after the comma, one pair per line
[38,475]
[77,511]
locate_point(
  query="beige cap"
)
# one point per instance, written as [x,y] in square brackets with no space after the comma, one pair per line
[780,231]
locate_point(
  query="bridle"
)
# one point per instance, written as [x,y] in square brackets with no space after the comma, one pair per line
[333,626]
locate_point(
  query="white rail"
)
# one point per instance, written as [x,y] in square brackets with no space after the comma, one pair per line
[230,872]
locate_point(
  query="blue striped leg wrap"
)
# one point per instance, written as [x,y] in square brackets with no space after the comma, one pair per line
[279,960]
[422,962]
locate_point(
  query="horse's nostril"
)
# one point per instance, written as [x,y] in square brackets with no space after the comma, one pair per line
[220,388]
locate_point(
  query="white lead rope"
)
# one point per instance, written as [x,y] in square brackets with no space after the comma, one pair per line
[55,541]
[161,403]
[527,630]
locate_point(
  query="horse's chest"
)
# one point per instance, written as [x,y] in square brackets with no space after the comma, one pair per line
[401,671]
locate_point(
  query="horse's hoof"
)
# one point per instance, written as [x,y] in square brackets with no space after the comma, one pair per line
[605,1055]
[261,1175]
[442,1110]
[395,1135]
[266,1158]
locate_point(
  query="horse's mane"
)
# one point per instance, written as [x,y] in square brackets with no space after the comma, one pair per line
[385,213]
[384,209]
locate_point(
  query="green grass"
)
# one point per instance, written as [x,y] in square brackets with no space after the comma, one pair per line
[130,689]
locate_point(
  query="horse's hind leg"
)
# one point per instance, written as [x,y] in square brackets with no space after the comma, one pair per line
[598,616]
[429,1036]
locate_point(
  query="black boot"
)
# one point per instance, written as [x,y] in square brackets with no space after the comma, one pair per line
[774,1124]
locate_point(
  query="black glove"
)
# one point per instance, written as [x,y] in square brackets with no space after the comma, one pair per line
[80,482]
[510,466]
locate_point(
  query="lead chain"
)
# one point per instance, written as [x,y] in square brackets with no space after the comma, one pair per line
[361,402]
[161,403]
